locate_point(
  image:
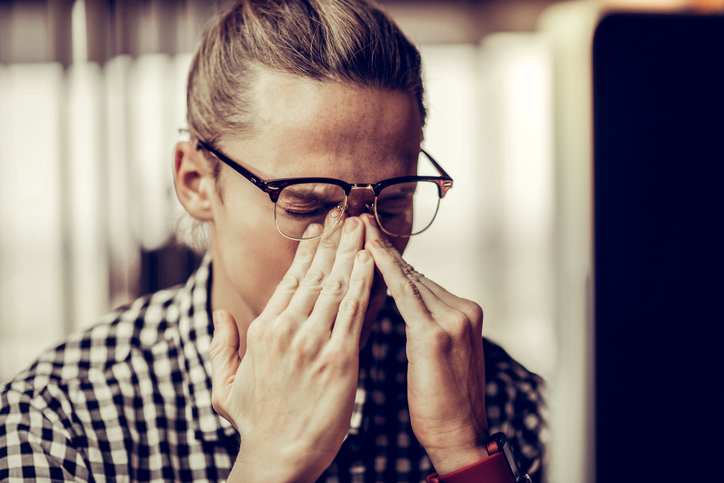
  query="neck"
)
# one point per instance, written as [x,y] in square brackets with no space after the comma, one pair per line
[223,296]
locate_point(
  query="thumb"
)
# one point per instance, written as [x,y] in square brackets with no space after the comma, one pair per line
[225,360]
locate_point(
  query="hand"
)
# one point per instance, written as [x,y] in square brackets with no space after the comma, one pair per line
[446,368]
[292,395]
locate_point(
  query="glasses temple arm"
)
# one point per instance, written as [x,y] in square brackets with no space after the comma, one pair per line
[447,182]
[254,179]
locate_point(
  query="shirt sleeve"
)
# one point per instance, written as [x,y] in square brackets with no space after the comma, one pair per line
[35,446]
[493,469]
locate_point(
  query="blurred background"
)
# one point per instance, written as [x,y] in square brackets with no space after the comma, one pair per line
[92,95]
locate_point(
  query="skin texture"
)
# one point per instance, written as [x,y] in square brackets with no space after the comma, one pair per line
[290,316]
[304,128]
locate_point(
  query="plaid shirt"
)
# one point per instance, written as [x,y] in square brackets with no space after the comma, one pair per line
[130,400]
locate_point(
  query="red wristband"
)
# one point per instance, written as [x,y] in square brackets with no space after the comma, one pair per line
[493,469]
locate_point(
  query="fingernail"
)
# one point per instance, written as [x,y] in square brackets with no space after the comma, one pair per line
[313,230]
[332,217]
[216,316]
[364,255]
[375,243]
[368,218]
[350,223]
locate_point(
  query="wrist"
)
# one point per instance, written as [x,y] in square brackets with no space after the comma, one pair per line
[276,467]
[453,450]
[499,467]
[451,459]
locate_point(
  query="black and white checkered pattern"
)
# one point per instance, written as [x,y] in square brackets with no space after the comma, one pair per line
[130,400]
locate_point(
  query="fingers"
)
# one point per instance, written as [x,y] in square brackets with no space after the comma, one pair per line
[413,291]
[224,355]
[373,233]
[400,279]
[404,289]
[303,258]
[336,284]
[326,281]
[471,310]
[350,317]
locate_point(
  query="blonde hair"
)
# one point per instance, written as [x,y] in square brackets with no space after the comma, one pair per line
[349,42]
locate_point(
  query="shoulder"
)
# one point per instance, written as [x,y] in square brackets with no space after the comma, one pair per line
[50,412]
[88,356]
[504,372]
[515,405]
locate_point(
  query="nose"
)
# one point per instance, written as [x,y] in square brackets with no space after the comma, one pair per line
[357,208]
[360,201]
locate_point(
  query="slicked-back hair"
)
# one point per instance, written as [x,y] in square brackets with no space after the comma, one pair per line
[351,42]
[348,42]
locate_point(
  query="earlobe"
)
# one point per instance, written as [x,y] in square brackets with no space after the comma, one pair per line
[194,187]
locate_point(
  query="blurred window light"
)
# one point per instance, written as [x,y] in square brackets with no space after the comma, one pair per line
[85,160]
[489,124]
[86,190]
[569,27]
[519,107]
[153,128]
[79,37]
[32,284]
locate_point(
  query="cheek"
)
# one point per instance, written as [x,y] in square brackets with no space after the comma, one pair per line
[260,260]
[251,251]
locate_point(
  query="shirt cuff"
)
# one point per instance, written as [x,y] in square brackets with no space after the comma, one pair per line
[493,469]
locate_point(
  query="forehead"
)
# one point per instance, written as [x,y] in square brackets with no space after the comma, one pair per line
[310,128]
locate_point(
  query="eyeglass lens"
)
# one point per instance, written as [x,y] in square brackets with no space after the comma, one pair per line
[402,209]
[300,205]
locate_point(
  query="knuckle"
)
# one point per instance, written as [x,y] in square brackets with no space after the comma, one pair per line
[215,402]
[442,340]
[214,350]
[283,326]
[349,305]
[255,331]
[338,357]
[409,288]
[457,319]
[458,325]
[331,352]
[306,252]
[327,243]
[415,277]
[359,276]
[290,281]
[475,312]
[314,277]
[304,347]
[335,286]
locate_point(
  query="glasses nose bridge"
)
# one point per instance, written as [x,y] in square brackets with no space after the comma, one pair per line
[361,199]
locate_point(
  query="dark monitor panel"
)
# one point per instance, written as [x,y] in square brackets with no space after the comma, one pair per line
[659,243]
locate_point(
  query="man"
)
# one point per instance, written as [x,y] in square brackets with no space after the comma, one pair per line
[306,122]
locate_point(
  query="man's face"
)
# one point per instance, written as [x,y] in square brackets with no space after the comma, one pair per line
[303,129]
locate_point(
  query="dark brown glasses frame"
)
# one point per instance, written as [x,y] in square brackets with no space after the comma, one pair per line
[274,186]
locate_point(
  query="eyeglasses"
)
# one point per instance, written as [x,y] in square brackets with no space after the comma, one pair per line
[403,206]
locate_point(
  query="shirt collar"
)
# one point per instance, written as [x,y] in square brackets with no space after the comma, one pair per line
[196,330]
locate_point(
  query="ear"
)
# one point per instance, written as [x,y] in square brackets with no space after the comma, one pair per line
[193,179]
